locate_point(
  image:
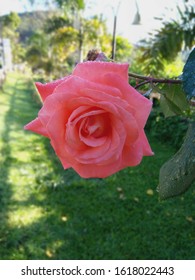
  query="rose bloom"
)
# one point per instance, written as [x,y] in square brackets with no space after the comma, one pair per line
[94,119]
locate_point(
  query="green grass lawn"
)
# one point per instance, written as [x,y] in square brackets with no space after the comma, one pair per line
[50,213]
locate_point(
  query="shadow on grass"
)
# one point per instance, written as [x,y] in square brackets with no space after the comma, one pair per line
[54,214]
[12,121]
[6,161]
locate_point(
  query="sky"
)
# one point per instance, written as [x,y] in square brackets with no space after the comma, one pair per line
[148,9]
[124,9]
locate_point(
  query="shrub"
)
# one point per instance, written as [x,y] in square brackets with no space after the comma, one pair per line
[167,130]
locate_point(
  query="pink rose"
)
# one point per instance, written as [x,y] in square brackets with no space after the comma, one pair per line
[95,120]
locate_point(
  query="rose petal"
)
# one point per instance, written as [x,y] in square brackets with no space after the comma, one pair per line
[64,162]
[37,127]
[141,104]
[83,112]
[147,151]
[133,154]
[52,105]
[97,171]
[97,132]
[108,152]
[46,89]
[72,140]
[98,95]
[74,127]
[56,128]
[74,85]
[95,70]
[117,107]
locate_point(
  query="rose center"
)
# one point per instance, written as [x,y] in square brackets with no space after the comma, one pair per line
[95,126]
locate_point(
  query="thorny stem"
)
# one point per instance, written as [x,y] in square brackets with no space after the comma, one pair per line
[141,84]
[152,80]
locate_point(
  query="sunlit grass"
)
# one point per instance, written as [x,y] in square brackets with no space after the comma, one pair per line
[24,216]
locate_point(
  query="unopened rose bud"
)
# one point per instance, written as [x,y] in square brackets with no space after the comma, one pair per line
[96,55]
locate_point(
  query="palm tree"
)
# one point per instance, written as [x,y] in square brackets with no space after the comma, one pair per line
[173,37]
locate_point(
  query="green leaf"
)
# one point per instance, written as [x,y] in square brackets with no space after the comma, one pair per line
[188,76]
[166,107]
[178,173]
[173,100]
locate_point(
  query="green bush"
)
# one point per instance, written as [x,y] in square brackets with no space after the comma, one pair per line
[167,130]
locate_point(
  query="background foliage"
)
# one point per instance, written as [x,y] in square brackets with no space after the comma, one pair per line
[164,45]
